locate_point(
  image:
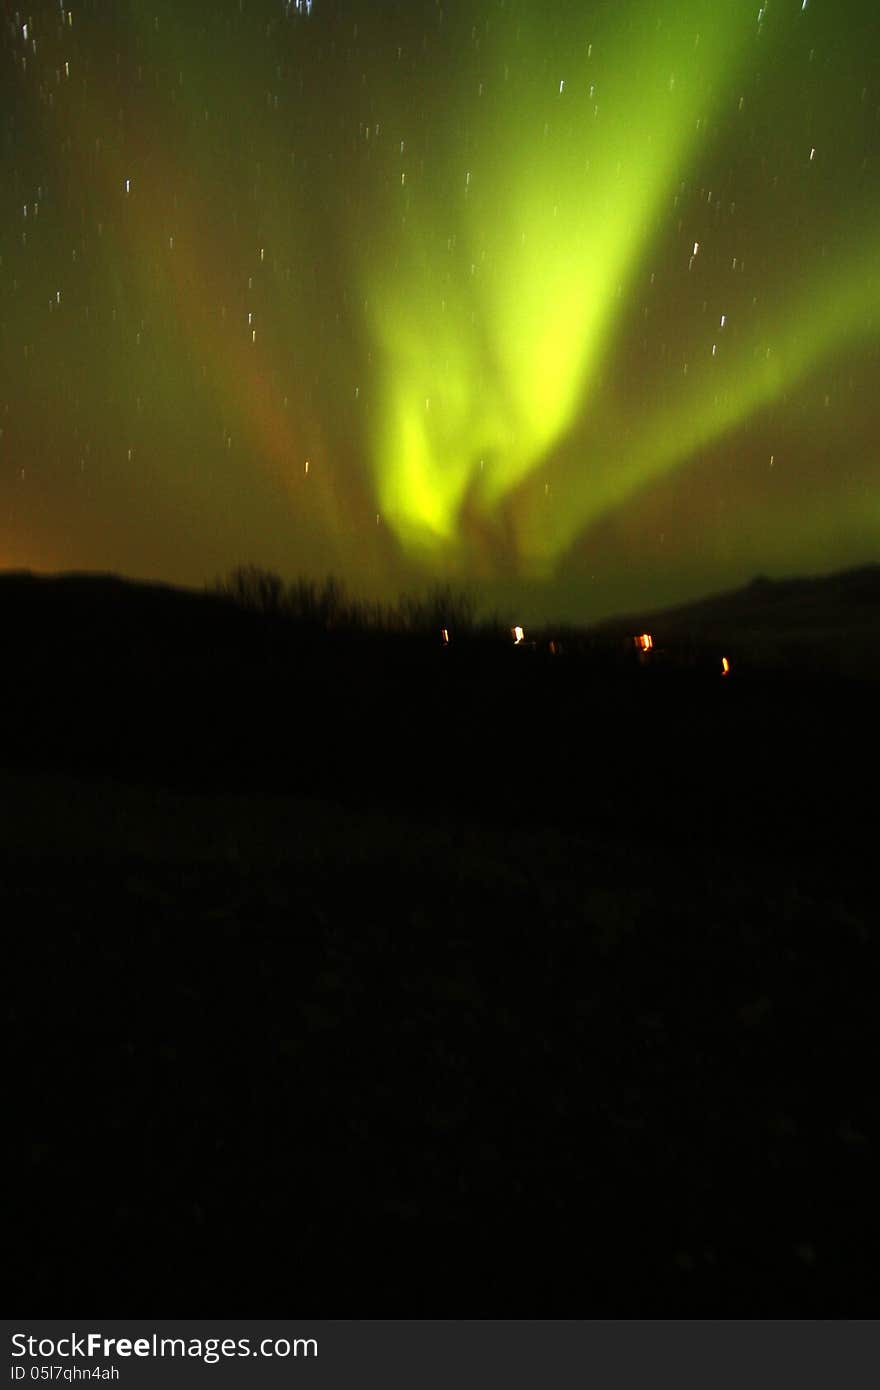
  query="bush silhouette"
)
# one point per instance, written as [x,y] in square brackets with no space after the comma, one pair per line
[327,607]
[255,589]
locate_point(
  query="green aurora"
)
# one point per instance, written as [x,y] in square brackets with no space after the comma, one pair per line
[576,303]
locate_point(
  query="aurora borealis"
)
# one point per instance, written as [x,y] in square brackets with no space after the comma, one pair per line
[576,302]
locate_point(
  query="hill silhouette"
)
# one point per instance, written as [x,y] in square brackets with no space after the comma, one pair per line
[818,625]
[247,687]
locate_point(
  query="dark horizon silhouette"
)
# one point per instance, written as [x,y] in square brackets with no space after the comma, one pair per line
[381,976]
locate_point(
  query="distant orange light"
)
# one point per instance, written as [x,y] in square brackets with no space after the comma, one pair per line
[444,633]
[725,666]
[518,635]
[644,642]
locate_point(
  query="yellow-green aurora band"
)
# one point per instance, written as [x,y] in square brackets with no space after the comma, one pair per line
[490,343]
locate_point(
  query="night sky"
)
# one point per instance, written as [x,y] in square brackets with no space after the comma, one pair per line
[575,303]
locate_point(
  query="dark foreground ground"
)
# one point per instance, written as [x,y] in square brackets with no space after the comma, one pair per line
[421,991]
